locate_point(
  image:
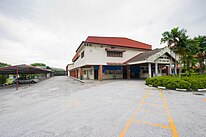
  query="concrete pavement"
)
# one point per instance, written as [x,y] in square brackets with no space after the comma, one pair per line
[62,107]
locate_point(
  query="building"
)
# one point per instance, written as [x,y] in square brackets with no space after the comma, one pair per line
[119,58]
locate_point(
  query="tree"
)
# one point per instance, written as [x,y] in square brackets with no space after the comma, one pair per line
[201,52]
[4,64]
[188,60]
[2,76]
[39,65]
[176,40]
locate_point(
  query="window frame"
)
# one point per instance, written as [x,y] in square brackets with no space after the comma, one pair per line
[82,54]
[114,54]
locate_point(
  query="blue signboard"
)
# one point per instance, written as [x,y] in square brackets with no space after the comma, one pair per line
[111,68]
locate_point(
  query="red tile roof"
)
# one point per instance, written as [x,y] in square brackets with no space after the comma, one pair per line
[118,41]
[115,41]
[75,56]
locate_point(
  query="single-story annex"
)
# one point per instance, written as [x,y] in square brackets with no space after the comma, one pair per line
[120,58]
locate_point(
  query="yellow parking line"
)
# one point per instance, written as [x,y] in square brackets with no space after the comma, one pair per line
[173,127]
[150,111]
[153,104]
[132,118]
[153,124]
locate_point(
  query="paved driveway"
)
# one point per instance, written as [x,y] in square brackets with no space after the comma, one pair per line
[62,107]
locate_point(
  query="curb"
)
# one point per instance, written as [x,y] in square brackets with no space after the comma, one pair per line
[198,93]
[160,87]
[179,89]
[201,90]
[77,79]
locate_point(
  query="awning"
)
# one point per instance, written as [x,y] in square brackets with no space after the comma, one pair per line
[23,69]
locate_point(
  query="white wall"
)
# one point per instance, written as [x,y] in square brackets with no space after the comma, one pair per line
[90,75]
[96,55]
[111,76]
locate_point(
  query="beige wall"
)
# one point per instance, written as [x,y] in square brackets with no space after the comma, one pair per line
[96,55]
[89,73]
[110,76]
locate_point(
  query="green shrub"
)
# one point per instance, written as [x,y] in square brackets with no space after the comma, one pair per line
[149,81]
[183,85]
[193,82]
[3,78]
[171,84]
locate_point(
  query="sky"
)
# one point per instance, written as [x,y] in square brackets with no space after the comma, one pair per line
[49,31]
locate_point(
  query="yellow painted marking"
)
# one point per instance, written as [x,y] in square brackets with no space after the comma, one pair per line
[205,99]
[153,104]
[149,111]
[132,118]
[173,127]
[153,124]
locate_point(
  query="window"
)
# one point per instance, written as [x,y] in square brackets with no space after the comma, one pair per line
[82,54]
[114,54]
[112,70]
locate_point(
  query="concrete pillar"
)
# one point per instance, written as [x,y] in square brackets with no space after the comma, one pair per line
[72,73]
[175,68]
[81,74]
[76,73]
[150,70]
[128,72]
[156,69]
[160,71]
[100,72]
[170,69]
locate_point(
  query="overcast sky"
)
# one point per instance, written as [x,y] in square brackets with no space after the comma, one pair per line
[49,31]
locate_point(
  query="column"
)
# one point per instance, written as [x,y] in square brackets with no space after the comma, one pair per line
[150,70]
[128,72]
[81,74]
[17,75]
[156,69]
[175,68]
[100,72]
[160,71]
[170,67]
[76,73]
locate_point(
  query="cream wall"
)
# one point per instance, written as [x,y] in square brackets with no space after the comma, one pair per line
[90,75]
[96,55]
[81,61]
[110,76]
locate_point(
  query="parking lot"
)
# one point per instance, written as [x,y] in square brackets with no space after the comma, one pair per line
[63,107]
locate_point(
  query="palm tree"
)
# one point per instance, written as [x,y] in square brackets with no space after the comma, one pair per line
[188,59]
[176,40]
[201,52]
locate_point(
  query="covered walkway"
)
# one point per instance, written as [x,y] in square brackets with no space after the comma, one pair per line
[23,69]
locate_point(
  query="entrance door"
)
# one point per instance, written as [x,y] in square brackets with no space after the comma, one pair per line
[134,71]
[87,74]
[95,74]
[125,72]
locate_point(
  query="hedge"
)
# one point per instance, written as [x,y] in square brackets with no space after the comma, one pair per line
[172,82]
[3,78]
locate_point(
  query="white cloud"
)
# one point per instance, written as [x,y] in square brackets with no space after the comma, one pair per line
[49,31]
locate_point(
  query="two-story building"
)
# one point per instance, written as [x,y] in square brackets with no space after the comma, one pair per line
[119,58]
